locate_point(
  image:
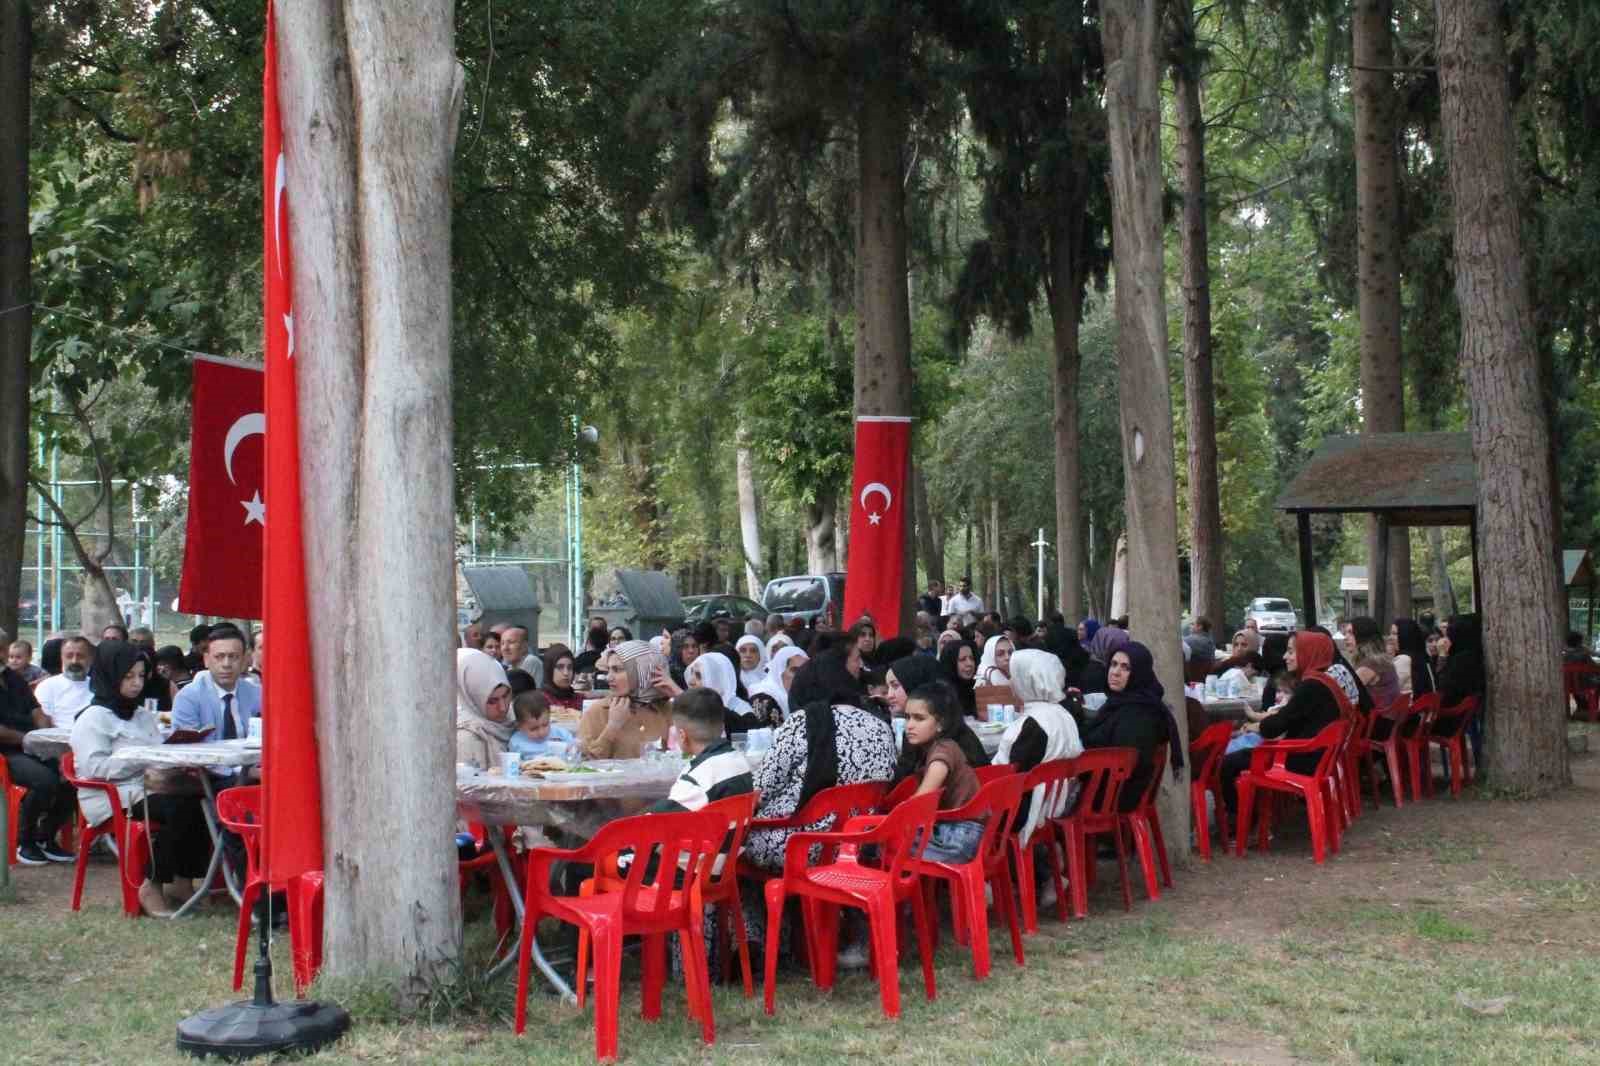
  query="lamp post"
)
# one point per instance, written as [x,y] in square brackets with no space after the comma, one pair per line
[580,435]
[1041,545]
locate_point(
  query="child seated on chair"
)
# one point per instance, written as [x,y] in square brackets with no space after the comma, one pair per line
[716,769]
[933,715]
[535,735]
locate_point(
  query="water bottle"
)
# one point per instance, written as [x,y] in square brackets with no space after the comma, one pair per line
[1211,686]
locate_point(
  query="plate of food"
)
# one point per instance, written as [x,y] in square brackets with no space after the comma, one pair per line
[548,766]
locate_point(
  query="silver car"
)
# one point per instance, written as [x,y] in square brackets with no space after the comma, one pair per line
[1272,615]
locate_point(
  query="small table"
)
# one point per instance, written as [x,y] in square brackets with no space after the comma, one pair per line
[204,756]
[577,804]
[1229,709]
[51,743]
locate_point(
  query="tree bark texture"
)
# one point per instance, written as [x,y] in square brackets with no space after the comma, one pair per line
[883,319]
[1378,257]
[930,541]
[821,553]
[749,515]
[370,96]
[1199,389]
[16,313]
[1522,598]
[1130,30]
[1066,308]
[1444,594]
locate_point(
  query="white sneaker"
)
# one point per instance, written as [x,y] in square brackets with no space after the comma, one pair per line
[854,957]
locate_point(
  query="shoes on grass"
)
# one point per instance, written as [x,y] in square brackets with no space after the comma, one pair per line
[30,855]
[55,854]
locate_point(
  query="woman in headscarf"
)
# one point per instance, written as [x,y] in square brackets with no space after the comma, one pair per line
[1411,660]
[181,849]
[904,676]
[638,713]
[1135,715]
[559,669]
[770,699]
[1044,731]
[946,637]
[483,709]
[752,661]
[1087,628]
[715,672]
[1374,667]
[959,660]
[1344,675]
[775,643]
[1244,643]
[827,740]
[995,666]
[1063,644]
[1463,674]
[1317,700]
[1108,640]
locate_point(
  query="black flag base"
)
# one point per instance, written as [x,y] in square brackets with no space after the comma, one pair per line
[259,1026]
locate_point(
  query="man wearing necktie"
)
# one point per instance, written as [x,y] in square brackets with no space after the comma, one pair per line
[220,698]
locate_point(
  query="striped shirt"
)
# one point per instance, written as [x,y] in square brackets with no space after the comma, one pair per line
[715,774]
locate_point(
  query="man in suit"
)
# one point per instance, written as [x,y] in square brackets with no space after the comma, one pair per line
[220,697]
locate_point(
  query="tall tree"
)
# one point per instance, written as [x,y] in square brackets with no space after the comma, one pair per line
[1378,235]
[1131,31]
[371,94]
[1526,749]
[16,311]
[1199,388]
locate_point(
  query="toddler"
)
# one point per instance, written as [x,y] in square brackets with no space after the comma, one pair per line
[535,733]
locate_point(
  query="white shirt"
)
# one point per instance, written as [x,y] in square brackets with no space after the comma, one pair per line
[62,698]
[961,603]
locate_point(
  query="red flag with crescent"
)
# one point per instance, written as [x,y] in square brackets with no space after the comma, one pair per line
[292,797]
[222,539]
[878,498]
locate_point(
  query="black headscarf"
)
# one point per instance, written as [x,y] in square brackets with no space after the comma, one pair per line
[112,661]
[820,685]
[914,672]
[1063,644]
[1414,642]
[50,656]
[889,651]
[553,655]
[963,686]
[1144,693]
[1463,673]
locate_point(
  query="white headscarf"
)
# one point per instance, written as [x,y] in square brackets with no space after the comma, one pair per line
[713,671]
[773,685]
[776,641]
[477,676]
[752,678]
[1039,680]
[988,672]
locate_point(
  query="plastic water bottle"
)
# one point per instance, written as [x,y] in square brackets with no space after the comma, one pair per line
[1211,686]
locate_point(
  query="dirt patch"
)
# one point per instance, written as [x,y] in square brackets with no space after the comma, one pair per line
[1262,1050]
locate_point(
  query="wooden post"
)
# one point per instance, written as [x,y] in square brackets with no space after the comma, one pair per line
[1378,581]
[1308,569]
[1477,579]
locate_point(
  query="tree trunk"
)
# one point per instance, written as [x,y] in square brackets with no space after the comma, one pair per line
[1066,306]
[749,516]
[1378,260]
[1444,594]
[16,313]
[821,556]
[883,319]
[997,557]
[1118,599]
[1526,745]
[1205,507]
[929,542]
[370,97]
[1130,30]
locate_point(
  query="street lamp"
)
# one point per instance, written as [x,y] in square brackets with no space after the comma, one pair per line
[585,434]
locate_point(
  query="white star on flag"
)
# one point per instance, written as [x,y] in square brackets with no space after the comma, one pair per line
[874,518]
[254,509]
[288,325]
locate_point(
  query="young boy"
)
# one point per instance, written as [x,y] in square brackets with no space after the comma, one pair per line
[535,734]
[716,771]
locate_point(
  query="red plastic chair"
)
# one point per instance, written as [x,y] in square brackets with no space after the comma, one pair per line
[902,791]
[651,903]
[995,772]
[1414,744]
[830,807]
[12,795]
[718,888]
[996,803]
[239,810]
[1269,773]
[1205,759]
[1101,774]
[1358,729]
[1143,824]
[1581,682]
[1403,720]
[840,879]
[1453,745]
[129,834]
[1049,784]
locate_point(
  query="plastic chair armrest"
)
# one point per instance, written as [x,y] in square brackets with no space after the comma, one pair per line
[796,851]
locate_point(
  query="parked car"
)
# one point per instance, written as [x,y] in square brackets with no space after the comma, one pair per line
[740,609]
[807,596]
[1272,615]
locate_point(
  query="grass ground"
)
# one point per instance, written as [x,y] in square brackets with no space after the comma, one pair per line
[1450,932]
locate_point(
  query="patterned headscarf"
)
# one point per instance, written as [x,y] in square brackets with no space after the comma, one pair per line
[640,661]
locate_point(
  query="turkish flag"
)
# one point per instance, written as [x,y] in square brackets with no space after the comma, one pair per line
[291,831]
[878,522]
[222,541]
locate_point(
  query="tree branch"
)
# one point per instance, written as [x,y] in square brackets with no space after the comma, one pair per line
[100,120]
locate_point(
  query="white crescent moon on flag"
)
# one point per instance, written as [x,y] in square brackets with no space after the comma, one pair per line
[255,422]
[877,486]
[278,182]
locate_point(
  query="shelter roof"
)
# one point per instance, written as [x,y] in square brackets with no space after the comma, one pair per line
[1577,568]
[1414,479]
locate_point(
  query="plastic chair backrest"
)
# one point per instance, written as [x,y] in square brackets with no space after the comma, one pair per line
[240,809]
[1101,773]
[1328,744]
[1207,749]
[69,769]
[1463,710]
[662,845]
[995,772]
[897,795]
[904,834]
[738,810]
[1055,777]
[835,805]
[998,800]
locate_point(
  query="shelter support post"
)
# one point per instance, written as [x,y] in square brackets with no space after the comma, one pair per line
[1308,566]
[1477,582]
[1378,583]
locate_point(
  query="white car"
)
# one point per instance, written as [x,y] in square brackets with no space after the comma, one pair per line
[1272,615]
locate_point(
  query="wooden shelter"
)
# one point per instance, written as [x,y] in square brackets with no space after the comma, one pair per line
[1405,479]
[1578,575]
